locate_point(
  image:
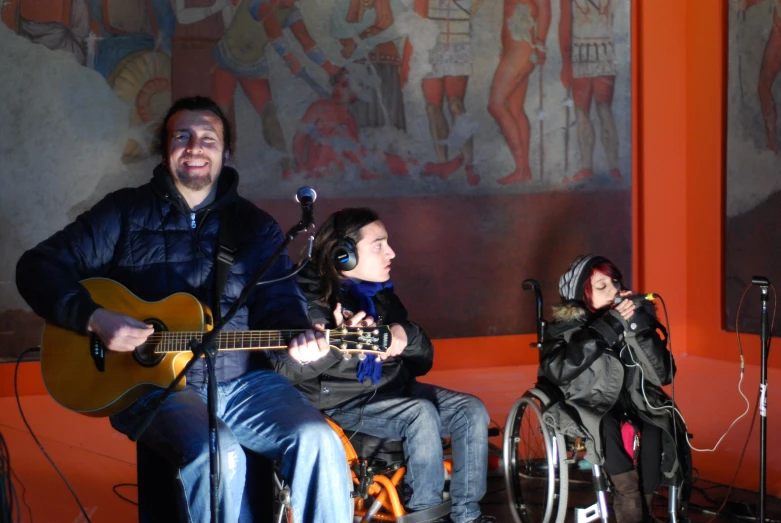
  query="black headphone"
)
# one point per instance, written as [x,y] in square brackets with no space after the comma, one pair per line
[344,253]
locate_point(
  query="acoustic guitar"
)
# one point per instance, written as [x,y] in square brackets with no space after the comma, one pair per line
[81,374]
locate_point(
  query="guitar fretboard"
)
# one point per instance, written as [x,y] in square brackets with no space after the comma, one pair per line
[226,341]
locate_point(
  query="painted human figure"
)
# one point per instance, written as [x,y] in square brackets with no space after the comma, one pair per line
[240,58]
[589,70]
[451,65]
[200,24]
[768,72]
[61,25]
[369,35]
[525,26]
[328,142]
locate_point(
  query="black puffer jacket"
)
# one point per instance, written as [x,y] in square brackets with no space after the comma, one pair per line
[148,240]
[332,380]
[601,360]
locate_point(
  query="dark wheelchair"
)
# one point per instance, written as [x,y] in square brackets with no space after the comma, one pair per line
[543,466]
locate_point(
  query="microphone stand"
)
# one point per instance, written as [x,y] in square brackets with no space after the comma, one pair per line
[764,337]
[206,348]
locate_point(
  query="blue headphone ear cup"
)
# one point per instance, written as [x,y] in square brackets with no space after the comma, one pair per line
[345,255]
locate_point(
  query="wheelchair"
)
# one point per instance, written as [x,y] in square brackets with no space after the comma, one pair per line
[377,470]
[376,467]
[541,464]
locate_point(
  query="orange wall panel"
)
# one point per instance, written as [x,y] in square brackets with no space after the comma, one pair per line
[29,379]
[662,142]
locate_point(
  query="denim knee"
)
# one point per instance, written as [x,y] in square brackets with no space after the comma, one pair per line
[319,435]
[426,415]
[198,449]
[475,412]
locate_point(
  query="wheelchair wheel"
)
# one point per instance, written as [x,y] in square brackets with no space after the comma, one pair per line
[537,484]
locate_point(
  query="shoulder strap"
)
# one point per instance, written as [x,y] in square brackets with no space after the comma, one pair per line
[226,255]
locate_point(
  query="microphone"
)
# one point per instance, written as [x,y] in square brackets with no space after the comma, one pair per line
[306,196]
[651,296]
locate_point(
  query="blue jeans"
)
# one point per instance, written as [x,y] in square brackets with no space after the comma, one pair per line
[419,419]
[264,413]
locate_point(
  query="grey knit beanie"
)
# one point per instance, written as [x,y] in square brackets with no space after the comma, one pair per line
[572,282]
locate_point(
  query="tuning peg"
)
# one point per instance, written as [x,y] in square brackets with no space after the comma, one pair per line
[346,356]
[361,356]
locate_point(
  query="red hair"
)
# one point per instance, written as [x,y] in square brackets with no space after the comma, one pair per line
[608,269]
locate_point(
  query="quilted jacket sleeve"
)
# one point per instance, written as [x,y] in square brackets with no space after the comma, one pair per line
[48,275]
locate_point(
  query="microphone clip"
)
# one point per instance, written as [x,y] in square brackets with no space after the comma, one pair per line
[306,196]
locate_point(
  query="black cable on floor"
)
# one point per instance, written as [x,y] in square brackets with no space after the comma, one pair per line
[24,494]
[24,419]
[114,488]
[8,498]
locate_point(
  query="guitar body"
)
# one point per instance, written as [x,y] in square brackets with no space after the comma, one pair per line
[84,376]
[71,369]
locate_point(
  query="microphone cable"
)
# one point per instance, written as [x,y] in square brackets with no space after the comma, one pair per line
[672,407]
[740,381]
[759,393]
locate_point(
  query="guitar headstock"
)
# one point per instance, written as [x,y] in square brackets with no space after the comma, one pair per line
[373,340]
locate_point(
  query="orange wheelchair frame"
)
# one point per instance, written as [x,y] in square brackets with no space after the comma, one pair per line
[381,486]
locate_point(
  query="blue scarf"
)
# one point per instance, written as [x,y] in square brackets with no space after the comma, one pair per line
[364,291]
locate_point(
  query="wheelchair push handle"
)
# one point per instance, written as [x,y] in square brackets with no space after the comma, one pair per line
[530,284]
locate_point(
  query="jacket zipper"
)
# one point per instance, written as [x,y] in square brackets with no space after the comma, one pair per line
[196,225]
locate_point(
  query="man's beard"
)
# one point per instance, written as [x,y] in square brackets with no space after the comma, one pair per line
[194,183]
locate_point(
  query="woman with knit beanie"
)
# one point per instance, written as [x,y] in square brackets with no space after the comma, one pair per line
[607,353]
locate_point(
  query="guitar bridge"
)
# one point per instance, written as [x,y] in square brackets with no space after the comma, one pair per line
[98,352]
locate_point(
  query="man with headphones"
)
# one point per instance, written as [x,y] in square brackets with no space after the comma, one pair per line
[348,282]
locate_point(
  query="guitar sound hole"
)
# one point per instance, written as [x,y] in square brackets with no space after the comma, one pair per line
[145,354]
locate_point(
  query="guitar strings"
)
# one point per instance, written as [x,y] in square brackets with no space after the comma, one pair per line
[178,341]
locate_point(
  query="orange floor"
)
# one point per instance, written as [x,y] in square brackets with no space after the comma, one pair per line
[94,458]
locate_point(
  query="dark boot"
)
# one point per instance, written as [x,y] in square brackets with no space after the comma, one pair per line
[649,508]
[627,500]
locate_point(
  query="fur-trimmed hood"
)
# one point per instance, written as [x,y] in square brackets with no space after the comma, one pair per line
[576,310]
[570,310]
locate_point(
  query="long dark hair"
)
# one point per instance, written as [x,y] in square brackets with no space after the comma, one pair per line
[346,223]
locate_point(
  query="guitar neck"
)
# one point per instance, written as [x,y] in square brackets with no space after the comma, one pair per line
[179,341]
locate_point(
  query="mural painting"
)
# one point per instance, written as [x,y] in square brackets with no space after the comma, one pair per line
[493,136]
